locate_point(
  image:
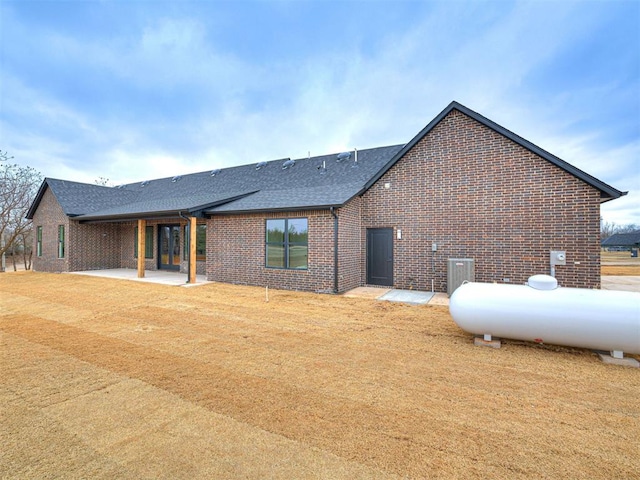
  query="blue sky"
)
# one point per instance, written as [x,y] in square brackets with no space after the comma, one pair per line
[130,90]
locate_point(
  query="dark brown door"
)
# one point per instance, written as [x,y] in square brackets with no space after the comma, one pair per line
[380,256]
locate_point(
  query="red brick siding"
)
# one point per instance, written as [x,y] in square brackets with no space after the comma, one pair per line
[236,252]
[49,216]
[93,246]
[477,194]
[350,245]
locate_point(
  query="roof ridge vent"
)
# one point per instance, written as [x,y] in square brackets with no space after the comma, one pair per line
[262,164]
[176,178]
[288,164]
[343,156]
[215,172]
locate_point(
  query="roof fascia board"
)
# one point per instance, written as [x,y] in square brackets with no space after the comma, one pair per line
[607,191]
[272,210]
[129,217]
[38,198]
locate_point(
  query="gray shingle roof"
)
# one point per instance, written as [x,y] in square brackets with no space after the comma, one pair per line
[79,198]
[631,239]
[306,185]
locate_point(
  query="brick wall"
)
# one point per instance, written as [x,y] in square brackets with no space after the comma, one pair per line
[350,245]
[49,216]
[93,246]
[477,194]
[236,252]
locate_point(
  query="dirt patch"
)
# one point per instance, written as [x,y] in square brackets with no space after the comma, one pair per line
[625,270]
[108,378]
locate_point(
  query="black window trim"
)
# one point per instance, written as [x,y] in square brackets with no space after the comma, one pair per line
[285,243]
[148,242]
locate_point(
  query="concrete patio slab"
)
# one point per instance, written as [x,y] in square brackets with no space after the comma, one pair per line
[151,276]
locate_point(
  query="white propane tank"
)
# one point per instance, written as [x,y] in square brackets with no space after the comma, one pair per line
[543,312]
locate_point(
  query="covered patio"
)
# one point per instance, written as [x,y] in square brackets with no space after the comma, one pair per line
[163,277]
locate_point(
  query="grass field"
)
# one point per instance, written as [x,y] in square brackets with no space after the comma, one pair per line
[619,263]
[115,379]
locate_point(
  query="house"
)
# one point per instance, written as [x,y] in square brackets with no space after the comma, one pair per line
[463,187]
[623,241]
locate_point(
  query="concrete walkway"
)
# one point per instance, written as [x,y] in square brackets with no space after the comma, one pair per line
[163,277]
[411,297]
[620,282]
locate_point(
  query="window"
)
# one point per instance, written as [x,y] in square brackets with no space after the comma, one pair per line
[39,241]
[60,241]
[201,242]
[148,243]
[287,243]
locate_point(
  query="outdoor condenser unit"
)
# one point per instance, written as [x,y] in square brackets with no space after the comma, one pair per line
[458,271]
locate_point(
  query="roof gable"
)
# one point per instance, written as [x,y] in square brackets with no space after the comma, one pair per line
[77,198]
[607,192]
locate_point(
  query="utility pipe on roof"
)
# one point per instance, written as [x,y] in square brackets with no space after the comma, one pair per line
[335,249]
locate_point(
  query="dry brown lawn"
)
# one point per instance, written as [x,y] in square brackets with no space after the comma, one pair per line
[116,379]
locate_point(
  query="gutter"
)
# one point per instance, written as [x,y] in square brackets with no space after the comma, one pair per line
[335,249]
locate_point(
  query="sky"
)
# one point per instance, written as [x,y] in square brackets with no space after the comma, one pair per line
[135,90]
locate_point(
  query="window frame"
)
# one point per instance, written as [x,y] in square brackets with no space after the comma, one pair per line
[286,243]
[61,240]
[200,227]
[148,242]
[39,241]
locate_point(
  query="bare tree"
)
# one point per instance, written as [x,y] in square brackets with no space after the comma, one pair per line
[607,229]
[18,187]
[628,228]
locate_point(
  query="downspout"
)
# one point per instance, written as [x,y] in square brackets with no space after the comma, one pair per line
[187,241]
[335,249]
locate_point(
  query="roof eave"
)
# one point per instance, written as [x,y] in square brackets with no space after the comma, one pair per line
[129,217]
[273,210]
[38,198]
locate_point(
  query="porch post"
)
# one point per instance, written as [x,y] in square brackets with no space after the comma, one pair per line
[192,249]
[142,226]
